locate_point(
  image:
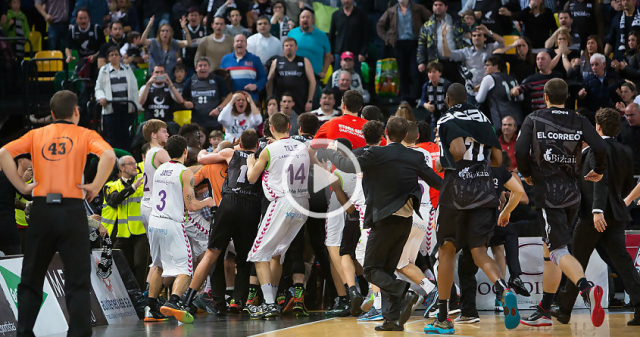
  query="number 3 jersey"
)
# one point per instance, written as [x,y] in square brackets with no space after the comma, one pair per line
[549,149]
[167,201]
[237,182]
[287,170]
[467,183]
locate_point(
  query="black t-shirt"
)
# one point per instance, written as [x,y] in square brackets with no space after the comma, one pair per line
[500,176]
[560,65]
[85,42]
[159,104]
[237,182]
[206,95]
[518,68]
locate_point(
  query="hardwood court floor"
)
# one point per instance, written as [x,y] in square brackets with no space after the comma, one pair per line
[316,326]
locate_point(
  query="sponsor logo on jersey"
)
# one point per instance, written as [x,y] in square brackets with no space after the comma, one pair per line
[560,112]
[559,135]
[465,174]
[581,13]
[294,215]
[294,73]
[558,158]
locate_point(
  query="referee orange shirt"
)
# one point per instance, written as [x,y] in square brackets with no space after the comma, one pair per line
[59,152]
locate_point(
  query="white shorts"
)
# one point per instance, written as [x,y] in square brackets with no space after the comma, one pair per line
[430,240]
[145,212]
[334,226]
[364,235]
[170,247]
[197,228]
[279,226]
[415,240]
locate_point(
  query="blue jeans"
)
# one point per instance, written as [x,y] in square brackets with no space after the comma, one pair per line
[162,18]
[57,34]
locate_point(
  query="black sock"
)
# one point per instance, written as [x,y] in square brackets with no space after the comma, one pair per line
[174,299]
[547,299]
[443,310]
[188,296]
[152,303]
[364,285]
[500,285]
[346,288]
[583,284]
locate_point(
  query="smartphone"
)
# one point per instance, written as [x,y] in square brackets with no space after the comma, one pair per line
[160,78]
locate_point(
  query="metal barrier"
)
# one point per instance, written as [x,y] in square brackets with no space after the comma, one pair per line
[96,115]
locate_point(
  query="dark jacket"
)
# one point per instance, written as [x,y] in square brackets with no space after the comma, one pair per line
[349,33]
[390,178]
[387,26]
[616,183]
[630,137]
[600,94]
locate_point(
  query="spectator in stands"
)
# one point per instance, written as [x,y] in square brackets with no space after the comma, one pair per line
[533,86]
[159,8]
[623,23]
[239,115]
[487,14]
[98,11]
[562,55]
[235,16]
[430,41]
[566,21]
[344,83]
[470,24]
[327,110]
[56,13]
[205,94]
[164,49]
[286,107]
[348,33]
[260,8]
[215,138]
[262,43]
[399,28]
[215,46]
[473,57]
[523,63]
[117,38]
[346,64]
[630,134]
[116,82]
[86,38]
[537,21]
[198,32]
[124,12]
[16,25]
[584,14]
[246,70]
[581,68]
[312,43]
[132,51]
[434,92]
[495,90]
[159,96]
[629,67]
[600,87]
[508,140]
[180,74]
[292,73]
[405,111]
[627,94]
[280,22]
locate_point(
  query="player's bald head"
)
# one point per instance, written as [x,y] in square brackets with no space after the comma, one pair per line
[456,94]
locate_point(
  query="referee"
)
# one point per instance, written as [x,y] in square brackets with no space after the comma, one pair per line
[58,221]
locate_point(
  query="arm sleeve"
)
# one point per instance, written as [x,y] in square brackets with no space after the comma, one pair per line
[485,86]
[115,198]
[186,90]
[332,31]
[421,53]
[523,148]
[597,144]
[365,33]
[20,146]
[225,118]
[345,164]
[261,79]
[429,176]
[96,144]
[457,54]
[600,188]
[255,120]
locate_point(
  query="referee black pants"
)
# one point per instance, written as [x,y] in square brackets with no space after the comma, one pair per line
[585,239]
[384,248]
[62,228]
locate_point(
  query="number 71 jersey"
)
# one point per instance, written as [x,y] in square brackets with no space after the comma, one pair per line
[287,170]
[167,201]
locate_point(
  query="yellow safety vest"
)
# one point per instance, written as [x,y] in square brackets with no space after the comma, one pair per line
[20,216]
[127,214]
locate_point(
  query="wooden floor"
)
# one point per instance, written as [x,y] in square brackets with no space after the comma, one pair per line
[316,326]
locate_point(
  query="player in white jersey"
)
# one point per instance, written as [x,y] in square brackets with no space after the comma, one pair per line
[173,195]
[285,164]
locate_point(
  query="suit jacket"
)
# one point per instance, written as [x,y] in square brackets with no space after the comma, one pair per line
[617,181]
[390,178]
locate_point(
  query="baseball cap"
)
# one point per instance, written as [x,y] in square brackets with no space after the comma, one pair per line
[347,55]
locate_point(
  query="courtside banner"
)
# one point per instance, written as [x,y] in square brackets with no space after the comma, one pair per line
[112,294]
[8,323]
[51,319]
[532,265]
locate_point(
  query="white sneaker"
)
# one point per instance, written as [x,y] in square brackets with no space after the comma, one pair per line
[466,320]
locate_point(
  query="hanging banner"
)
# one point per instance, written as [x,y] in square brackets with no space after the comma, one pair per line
[8,323]
[111,294]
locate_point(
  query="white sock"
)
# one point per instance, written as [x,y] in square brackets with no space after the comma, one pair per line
[267,291]
[427,285]
[377,301]
[429,275]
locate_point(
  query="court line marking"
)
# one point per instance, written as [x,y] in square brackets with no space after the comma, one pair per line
[295,326]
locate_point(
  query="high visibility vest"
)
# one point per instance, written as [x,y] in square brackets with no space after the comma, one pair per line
[127,214]
[20,216]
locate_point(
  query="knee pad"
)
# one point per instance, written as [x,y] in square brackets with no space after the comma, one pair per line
[557,254]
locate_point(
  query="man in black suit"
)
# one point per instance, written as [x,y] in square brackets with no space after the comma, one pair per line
[390,184]
[603,214]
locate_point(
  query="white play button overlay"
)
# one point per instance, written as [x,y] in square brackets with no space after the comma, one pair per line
[321,178]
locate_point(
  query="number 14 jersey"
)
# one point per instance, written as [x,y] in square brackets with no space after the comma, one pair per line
[167,201]
[287,170]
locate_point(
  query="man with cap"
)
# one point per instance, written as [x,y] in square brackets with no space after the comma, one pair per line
[347,64]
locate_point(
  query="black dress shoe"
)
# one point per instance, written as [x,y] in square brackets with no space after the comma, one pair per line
[390,326]
[635,321]
[406,306]
[356,302]
[560,315]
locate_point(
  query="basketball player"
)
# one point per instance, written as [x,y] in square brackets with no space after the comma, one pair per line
[154,132]
[548,153]
[466,214]
[237,217]
[173,196]
[282,220]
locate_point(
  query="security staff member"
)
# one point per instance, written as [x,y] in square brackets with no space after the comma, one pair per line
[124,196]
[58,220]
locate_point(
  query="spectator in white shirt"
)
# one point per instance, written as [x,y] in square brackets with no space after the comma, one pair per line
[239,115]
[326,111]
[263,44]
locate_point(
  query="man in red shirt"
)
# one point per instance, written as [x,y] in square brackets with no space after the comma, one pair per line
[508,139]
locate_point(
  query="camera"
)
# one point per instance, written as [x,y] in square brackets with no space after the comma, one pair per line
[160,78]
